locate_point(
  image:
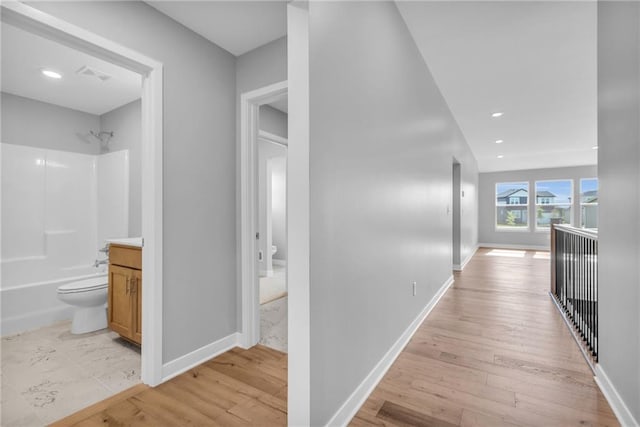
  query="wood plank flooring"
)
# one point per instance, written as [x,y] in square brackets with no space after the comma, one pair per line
[493,352]
[237,388]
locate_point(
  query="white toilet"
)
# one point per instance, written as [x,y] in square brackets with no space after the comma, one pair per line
[89,296]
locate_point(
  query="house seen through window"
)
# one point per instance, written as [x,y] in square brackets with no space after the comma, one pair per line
[589,203]
[512,200]
[553,202]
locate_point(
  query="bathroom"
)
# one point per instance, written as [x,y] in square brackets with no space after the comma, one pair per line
[272,223]
[70,153]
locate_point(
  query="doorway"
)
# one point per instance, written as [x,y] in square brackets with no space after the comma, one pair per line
[256,250]
[38,23]
[272,226]
[457,214]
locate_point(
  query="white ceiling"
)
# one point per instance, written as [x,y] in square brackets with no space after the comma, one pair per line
[236,26]
[24,55]
[535,61]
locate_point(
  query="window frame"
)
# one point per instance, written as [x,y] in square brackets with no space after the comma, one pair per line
[511,229]
[588,204]
[536,204]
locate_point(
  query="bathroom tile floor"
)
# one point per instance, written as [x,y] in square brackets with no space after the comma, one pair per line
[273,324]
[49,373]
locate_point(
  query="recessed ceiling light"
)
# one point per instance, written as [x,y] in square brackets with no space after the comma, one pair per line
[497,114]
[595,147]
[52,74]
[500,156]
[499,141]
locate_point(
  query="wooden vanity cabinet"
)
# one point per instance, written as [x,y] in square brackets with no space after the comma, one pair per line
[125,291]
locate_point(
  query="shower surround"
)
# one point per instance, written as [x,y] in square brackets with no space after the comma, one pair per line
[57,209]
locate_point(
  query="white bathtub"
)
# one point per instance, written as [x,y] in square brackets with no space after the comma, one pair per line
[34,305]
[58,208]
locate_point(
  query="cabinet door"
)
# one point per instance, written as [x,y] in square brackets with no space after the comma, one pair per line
[136,279]
[120,301]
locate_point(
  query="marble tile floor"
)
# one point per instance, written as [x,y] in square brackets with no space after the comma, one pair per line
[274,287]
[49,373]
[273,324]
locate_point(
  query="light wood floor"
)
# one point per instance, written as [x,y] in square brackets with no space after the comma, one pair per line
[238,388]
[494,352]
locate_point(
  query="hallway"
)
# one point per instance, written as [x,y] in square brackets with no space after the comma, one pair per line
[493,352]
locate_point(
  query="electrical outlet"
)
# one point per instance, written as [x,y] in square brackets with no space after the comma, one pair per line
[415,289]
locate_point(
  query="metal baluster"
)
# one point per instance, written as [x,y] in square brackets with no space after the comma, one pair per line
[597,302]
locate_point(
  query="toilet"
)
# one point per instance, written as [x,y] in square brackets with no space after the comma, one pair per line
[89,297]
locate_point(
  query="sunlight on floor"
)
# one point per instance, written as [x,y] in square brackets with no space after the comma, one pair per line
[542,255]
[506,253]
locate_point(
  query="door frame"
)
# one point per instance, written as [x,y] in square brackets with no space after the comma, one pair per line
[250,103]
[40,23]
[456,217]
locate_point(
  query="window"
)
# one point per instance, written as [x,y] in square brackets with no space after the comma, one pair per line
[589,203]
[553,202]
[512,200]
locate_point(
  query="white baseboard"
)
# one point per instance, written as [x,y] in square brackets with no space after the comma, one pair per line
[34,320]
[460,267]
[199,356]
[351,406]
[625,417]
[509,246]
[280,262]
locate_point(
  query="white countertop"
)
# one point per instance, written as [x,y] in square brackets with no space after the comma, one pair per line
[128,241]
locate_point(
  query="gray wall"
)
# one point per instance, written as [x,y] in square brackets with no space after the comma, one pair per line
[126,123]
[38,124]
[260,67]
[619,218]
[487,203]
[381,151]
[199,166]
[273,121]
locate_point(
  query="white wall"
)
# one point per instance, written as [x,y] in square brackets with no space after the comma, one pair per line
[126,124]
[529,238]
[267,153]
[382,143]
[275,122]
[279,206]
[619,216]
[199,151]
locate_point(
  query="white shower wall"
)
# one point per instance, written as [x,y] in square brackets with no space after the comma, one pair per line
[57,209]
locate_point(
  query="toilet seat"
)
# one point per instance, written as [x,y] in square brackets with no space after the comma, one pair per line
[95,283]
